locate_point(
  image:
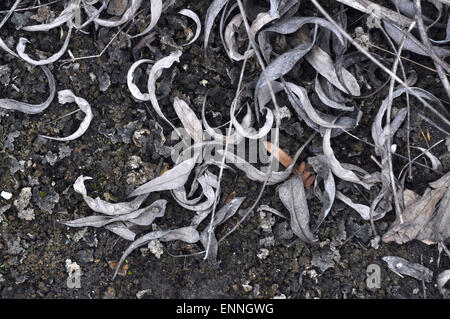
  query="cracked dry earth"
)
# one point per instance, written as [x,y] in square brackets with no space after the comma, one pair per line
[123,148]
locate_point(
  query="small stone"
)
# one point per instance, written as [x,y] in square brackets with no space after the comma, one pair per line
[64,151]
[247,288]
[139,137]
[51,158]
[27,214]
[156,248]
[104,82]
[24,199]
[6,195]
[263,253]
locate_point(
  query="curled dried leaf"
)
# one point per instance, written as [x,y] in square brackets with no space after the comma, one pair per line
[67,96]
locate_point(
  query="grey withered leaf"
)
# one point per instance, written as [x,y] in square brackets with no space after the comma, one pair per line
[66,15]
[191,14]
[405,267]
[420,221]
[442,279]
[67,96]
[211,14]
[172,179]
[55,57]
[128,14]
[189,120]
[222,215]
[411,45]
[292,195]
[322,168]
[322,62]
[100,206]
[155,73]
[122,230]
[156,10]
[187,234]
[11,104]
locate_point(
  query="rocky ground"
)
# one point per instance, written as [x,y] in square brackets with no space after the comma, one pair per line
[123,148]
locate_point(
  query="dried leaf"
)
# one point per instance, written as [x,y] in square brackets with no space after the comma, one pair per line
[155,73]
[137,94]
[442,279]
[156,10]
[221,216]
[189,120]
[128,14]
[11,104]
[292,195]
[187,234]
[100,206]
[55,57]
[211,14]
[411,45]
[172,179]
[286,161]
[435,162]
[66,15]
[322,168]
[419,220]
[335,165]
[327,101]
[364,210]
[67,96]
[323,64]
[191,14]
[121,230]
[405,267]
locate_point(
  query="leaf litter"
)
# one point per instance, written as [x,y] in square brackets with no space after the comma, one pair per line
[337,84]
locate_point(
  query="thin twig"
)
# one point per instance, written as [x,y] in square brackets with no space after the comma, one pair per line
[426,41]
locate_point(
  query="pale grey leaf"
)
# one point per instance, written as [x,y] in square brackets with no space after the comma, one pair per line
[335,165]
[172,179]
[137,94]
[405,267]
[410,45]
[211,14]
[90,221]
[67,96]
[189,120]
[323,64]
[66,15]
[328,101]
[442,279]
[55,57]
[156,10]
[11,104]
[293,197]
[322,168]
[129,14]
[187,234]
[155,73]
[435,162]
[121,230]
[100,206]
[191,14]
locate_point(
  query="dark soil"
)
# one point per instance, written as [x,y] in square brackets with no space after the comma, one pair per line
[33,253]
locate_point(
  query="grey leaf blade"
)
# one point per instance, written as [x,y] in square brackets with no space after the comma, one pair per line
[405,267]
[293,197]
[172,179]
[27,108]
